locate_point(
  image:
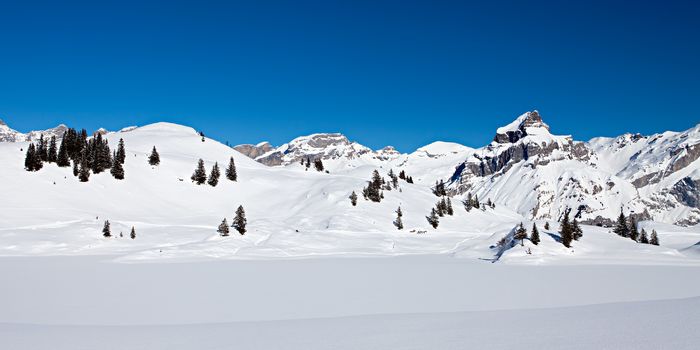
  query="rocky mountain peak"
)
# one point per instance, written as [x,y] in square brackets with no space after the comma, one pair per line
[526,124]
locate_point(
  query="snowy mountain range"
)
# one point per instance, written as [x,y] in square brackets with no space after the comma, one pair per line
[525,168]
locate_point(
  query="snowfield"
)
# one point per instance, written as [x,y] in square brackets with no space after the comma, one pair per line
[315,272]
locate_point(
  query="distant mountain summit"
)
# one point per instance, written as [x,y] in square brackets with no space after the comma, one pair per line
[8,134]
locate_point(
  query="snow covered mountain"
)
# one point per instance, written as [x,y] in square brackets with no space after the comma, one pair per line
[8,134]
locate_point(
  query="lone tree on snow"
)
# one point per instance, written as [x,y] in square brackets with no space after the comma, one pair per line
[318,164]
[576,229]
[223,228]
[200,175]
[433,219]
[214,175]
[398,222]
[634,233]
[353,198]
[643,238]
[654,238]
[239,222]
[133,233]
[546,225]
[535,235]
[105,230]
[566,231]
[521,234]
[117,170]
[154,158]
[621,226]
[231,171]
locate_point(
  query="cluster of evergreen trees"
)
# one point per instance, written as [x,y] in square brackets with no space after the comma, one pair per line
[399,222]
[444,207]
[88,155]
[239,223]
[373,190]
[403,176]
[200,174]
[318,164]
[439,189]
[569,231]
[107,231]
[472,202]
[627,227]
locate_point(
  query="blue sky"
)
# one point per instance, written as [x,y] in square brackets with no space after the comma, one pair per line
[397,72]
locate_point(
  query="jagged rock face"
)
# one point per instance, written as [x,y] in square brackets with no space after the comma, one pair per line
[316,146]
[518,129]
[687,191]
[254,151]
[8,134]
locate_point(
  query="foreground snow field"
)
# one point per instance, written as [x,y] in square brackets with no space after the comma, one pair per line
[416,302]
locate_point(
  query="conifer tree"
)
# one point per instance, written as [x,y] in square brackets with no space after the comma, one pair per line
[654,238]
[223,228]
[621,227]
[566,230]
[440,207]
[117,170]
[449,209]
[76,171]
[373,189]
[402,175]
[468,202]
[476,203]
[643,238]
[240,221]
[521,234]
[41,149]
[398,222]
[106,230]
[121,152]
[439,189]
[576,229]
[634,233]
[154,158]
[546,225]
[535,235]
[29,158]
[433,219]
[84,172]
[231,170]
[214,175]
[200,175]
[353,198]
[318,164]
[133,233]
[53,152]
[62,159]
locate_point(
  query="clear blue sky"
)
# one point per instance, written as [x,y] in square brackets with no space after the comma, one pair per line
[398,72]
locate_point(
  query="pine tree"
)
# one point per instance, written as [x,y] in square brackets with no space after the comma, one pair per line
[433,219]
[576,229]
[449,209]
[231,170]
[546,225]
[621,227]
[402,175]
[654,238]
[398,222]
[133,233]
[439,189]
[62,159]
[476,203]
[223,228]
[29,157]
[121,152]
[643,238]
[441,207]
[566,231]
[308,163]
[409,179]
[353,198]
[521,234]
[535,235]
[41,149]
[200,175]
[84,172]
[634,233]
[154,158]
[53,152]
[106,231]
[318,164]
[75,168]
[240,222]
[214,175]
[373,189]
[117,169]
